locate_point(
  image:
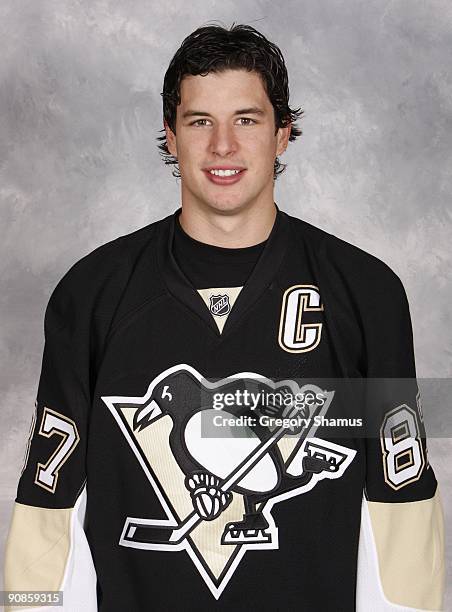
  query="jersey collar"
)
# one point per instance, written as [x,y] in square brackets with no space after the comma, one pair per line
[261,277]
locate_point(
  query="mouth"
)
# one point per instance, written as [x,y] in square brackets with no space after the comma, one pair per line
[224,176]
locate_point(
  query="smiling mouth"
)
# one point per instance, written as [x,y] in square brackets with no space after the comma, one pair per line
[224,176]
[224,171]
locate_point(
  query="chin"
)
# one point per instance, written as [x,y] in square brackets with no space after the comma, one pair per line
[227,207]
[224,202]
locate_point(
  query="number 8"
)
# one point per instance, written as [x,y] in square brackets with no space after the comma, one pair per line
[403,455]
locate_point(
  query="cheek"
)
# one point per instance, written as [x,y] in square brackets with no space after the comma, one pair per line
[262,157]
[191,155]
[262,144]
[188,148]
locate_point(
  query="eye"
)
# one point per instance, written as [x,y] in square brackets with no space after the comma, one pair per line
[247,119]
[197,121]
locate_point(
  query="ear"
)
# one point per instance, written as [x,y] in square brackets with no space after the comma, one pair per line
[283,139]
[170,139]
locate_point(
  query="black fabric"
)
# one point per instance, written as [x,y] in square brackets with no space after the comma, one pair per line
[125,327]
[263,273]
[207,265]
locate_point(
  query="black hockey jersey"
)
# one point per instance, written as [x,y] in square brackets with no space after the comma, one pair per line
[195,448]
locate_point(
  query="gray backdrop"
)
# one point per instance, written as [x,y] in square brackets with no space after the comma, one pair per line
[81,107]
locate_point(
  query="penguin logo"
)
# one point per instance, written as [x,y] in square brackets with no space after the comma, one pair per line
[219,305]
[217,486]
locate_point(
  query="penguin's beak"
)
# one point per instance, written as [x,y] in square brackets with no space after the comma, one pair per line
[146,415]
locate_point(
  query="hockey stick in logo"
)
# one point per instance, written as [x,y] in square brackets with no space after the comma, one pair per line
[168,535]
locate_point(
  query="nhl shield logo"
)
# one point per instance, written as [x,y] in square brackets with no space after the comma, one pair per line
[219,304]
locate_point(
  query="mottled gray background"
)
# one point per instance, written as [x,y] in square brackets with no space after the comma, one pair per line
[80,109]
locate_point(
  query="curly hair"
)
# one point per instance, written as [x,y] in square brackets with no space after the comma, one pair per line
[213,48]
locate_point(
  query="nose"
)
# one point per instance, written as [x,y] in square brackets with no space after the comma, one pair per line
[223,140]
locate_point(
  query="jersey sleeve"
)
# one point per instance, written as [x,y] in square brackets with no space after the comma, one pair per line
[401,550]
[47,548]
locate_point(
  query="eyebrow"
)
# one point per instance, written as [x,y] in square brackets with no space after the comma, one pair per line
[252,110]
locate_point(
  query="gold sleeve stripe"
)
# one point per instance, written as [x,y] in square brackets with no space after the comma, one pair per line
[409,540]
[37,548]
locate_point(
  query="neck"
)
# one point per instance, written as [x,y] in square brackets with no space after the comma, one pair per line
[236,229]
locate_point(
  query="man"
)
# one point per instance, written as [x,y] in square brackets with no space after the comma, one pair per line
[165,469]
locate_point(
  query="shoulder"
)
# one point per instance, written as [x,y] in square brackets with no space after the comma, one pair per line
[105,259]
[356,268]
[94,283]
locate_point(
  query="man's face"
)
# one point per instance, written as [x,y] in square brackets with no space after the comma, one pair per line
[226,120]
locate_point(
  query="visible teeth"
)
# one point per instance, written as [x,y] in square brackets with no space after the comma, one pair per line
[224,172]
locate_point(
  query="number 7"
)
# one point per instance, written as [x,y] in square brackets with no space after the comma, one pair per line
[53,422]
